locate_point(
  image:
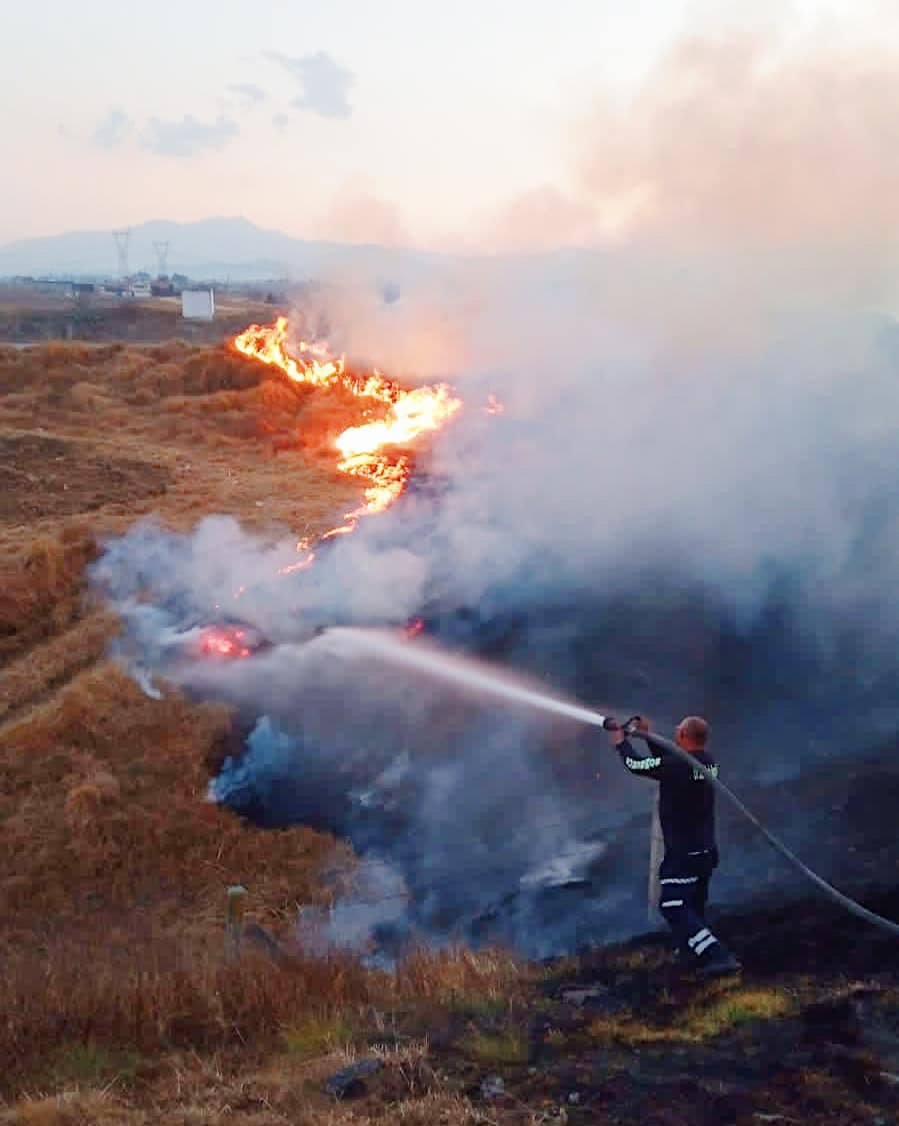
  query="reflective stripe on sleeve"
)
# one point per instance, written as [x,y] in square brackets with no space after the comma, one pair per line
[702,946]
[672,903]
[698,937]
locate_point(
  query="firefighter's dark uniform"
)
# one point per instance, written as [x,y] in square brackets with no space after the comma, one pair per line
[687,814]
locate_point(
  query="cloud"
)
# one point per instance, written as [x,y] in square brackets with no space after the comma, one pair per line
[112,130]
[280,120]
[324,83]
[188,136]
[250,93]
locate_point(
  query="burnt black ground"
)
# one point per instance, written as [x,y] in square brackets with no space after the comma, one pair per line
[625,1034]
[832,1057]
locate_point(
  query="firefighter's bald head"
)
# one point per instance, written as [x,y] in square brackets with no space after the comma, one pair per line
[692,733]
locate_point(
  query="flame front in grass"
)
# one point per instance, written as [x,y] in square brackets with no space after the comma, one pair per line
[371,451]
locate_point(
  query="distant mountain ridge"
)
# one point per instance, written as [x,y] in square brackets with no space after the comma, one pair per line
[216,248]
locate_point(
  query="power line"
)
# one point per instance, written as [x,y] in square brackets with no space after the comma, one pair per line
[162,258]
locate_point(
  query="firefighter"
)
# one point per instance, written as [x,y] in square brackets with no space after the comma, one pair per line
[687,815]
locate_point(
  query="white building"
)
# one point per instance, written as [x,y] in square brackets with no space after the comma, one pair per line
[198,304]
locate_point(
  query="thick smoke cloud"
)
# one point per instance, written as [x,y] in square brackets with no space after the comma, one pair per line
[738,142]
[690,503]
[730,139]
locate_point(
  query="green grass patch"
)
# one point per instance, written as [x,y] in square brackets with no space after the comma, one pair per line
[505,1046]
[628,1031]
[316,1036]
[733,1009]
[87,1062]
[705,1019]
[475,1005]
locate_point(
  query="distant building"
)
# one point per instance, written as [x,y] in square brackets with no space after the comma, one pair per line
[58,287]
[140,289]
[198,304]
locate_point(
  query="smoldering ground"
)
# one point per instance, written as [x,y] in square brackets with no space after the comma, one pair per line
[689,503]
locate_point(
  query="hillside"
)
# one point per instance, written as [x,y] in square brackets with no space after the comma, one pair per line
[119,1003]
[217,247]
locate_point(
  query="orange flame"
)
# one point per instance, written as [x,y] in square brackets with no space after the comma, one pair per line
[225,643]
[370,451]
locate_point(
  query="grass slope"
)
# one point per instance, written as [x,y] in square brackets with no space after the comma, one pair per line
[117,1003]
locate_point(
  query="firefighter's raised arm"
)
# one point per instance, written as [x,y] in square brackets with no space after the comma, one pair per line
[640,761]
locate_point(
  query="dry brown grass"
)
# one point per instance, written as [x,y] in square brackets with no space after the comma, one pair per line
[107,841]
[117,1002]
[109,996]
[102,802]
[131,989]
[210,1100]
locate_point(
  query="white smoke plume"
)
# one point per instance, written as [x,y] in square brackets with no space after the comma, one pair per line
[689,503]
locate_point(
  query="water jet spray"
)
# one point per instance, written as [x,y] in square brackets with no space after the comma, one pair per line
[478,676]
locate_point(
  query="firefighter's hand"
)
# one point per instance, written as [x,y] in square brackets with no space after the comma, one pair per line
[615,729]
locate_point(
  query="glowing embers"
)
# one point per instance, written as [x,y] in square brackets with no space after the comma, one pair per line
[373,450]
[231,642]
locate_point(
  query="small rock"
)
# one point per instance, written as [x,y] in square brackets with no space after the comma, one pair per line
[492,1087]
[349,1080]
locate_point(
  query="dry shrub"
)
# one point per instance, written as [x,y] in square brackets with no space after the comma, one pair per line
[170,351]
[459,977]
[277,395]
[48,373]
[158,382]
[219,369]
[128,368]
[87,396]
[48,370]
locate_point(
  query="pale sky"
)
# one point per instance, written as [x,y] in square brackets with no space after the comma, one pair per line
[391,120]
